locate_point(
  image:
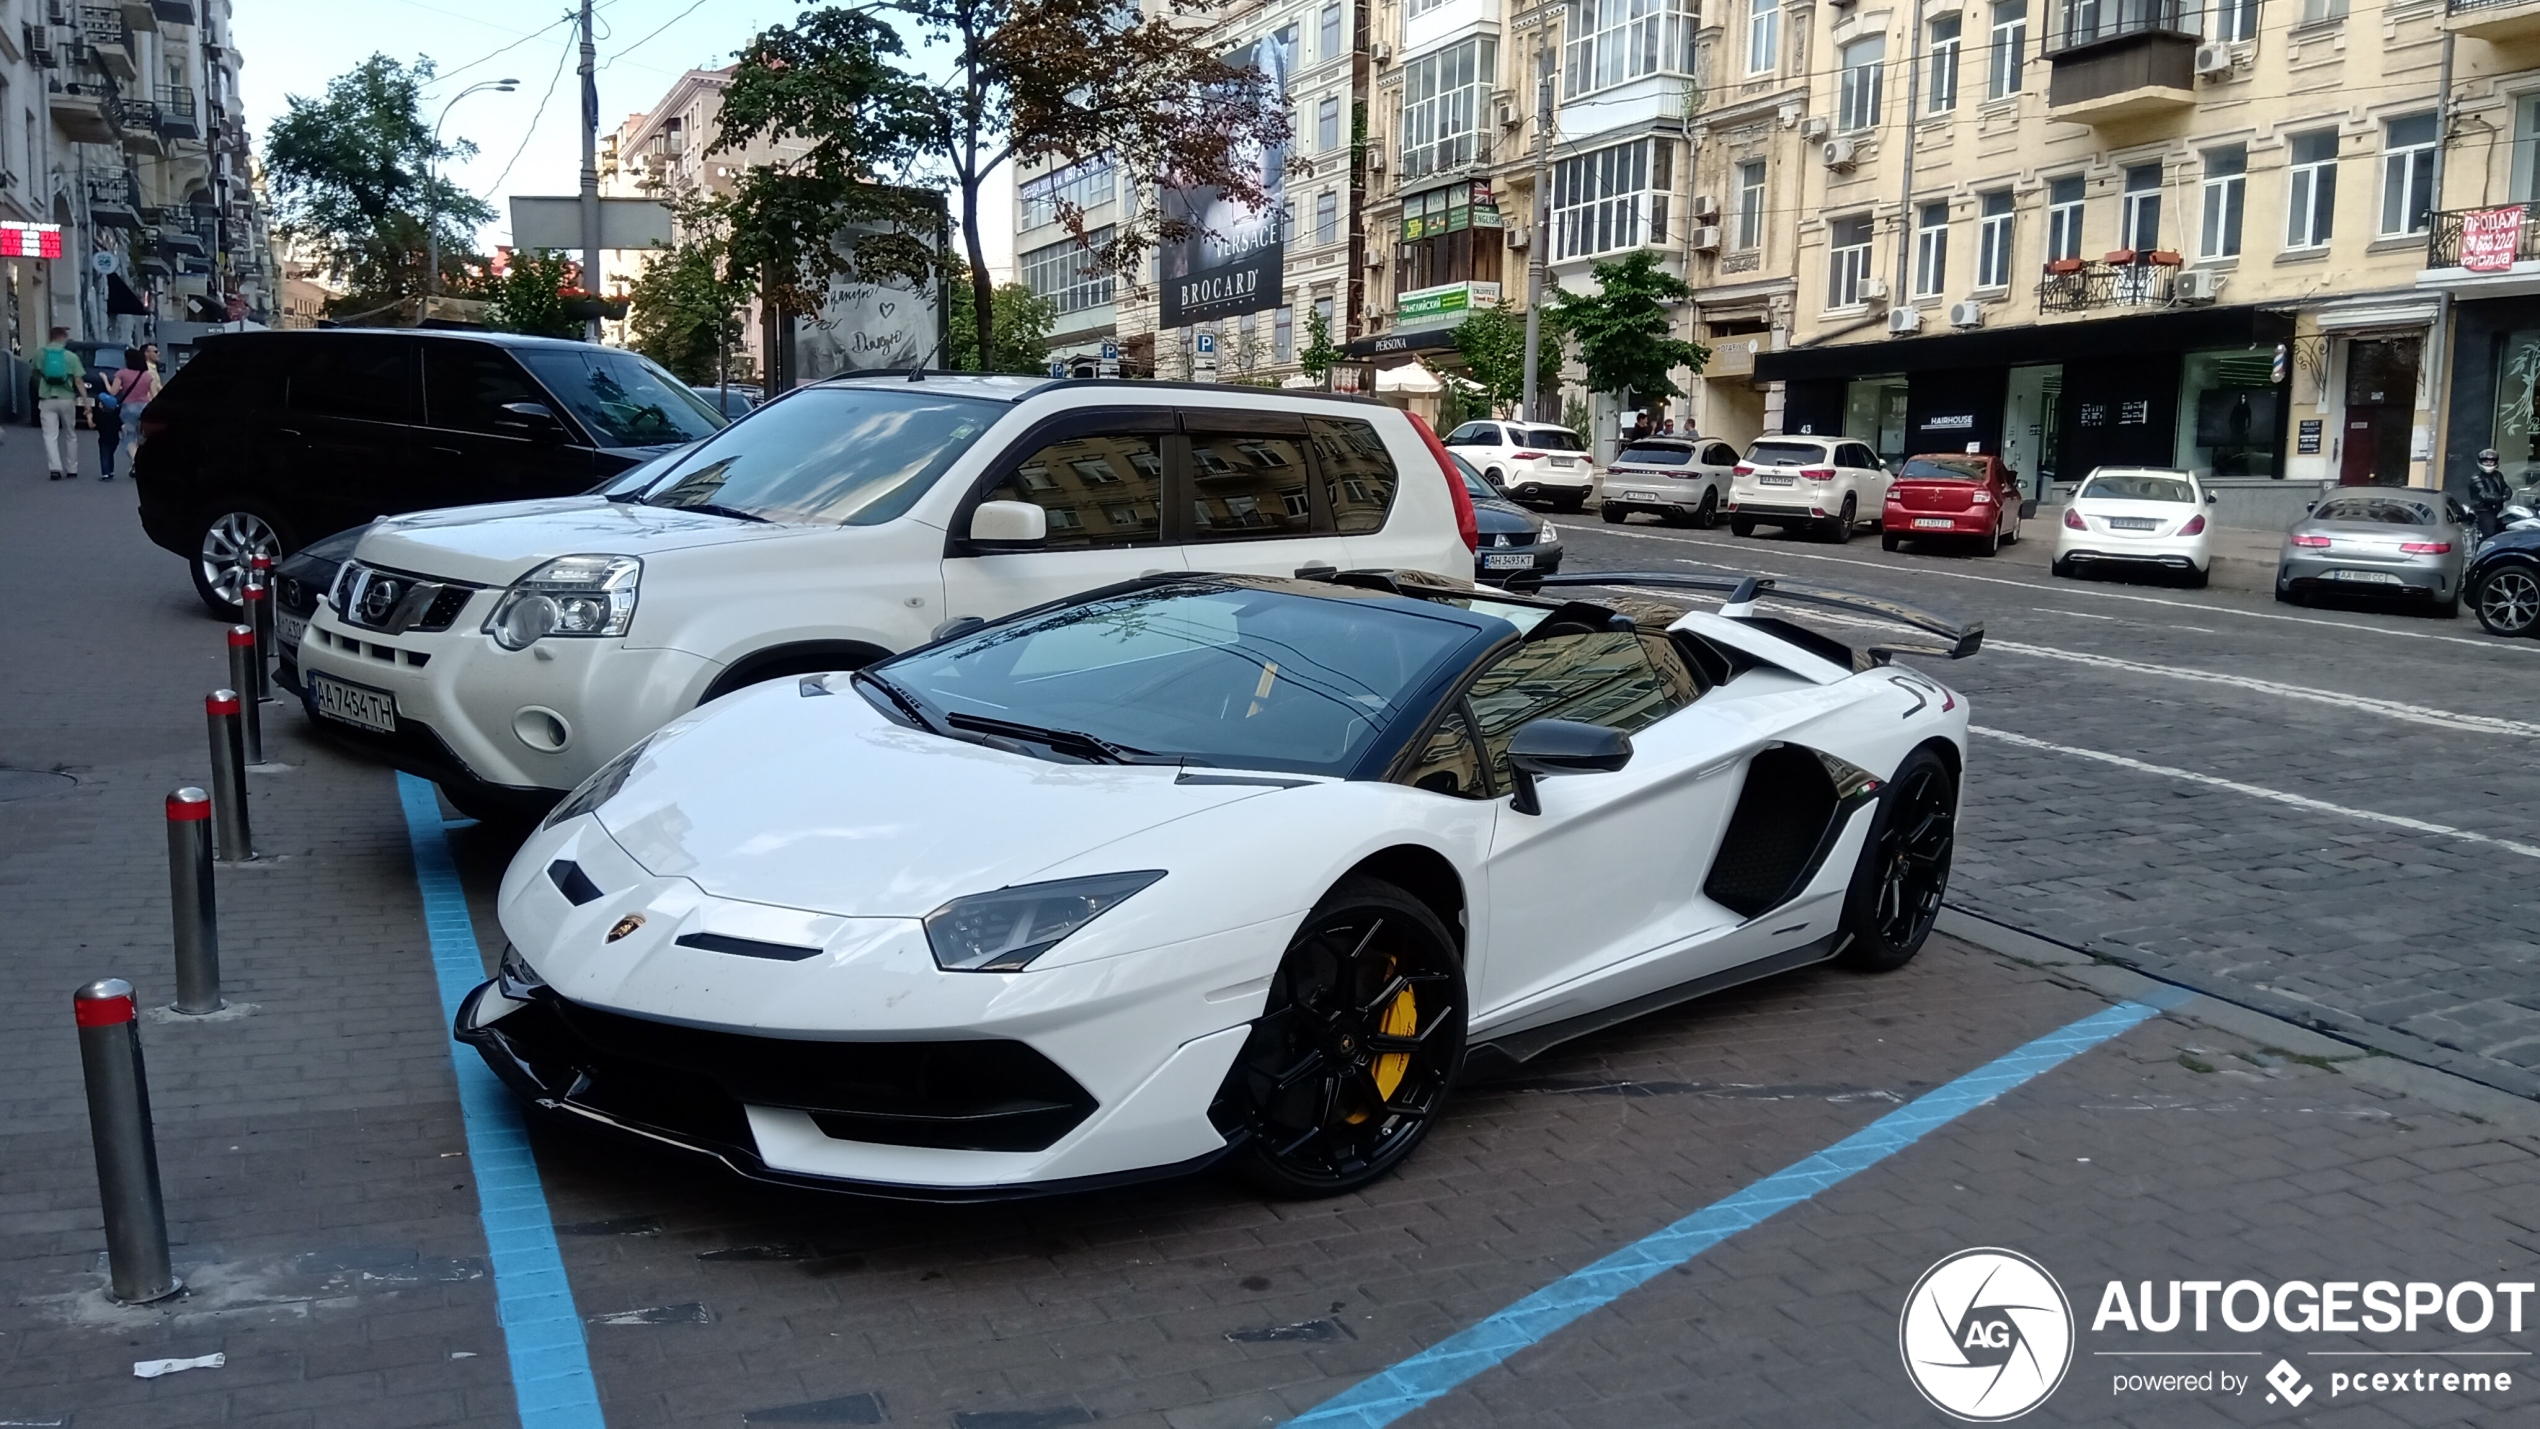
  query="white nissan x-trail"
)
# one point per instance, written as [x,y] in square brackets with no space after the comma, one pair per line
[507,651]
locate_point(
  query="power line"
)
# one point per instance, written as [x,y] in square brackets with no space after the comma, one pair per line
[666,24]
[563,19]
[563,52]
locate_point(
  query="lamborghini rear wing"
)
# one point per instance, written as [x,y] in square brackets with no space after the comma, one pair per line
[1962,640]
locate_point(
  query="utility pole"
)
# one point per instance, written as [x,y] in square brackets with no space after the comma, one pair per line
[1542,235]
[590,170]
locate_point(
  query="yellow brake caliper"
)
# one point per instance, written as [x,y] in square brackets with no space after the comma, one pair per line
[1401,1020]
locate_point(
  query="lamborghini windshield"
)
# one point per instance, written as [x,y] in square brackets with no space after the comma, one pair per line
[1223,675]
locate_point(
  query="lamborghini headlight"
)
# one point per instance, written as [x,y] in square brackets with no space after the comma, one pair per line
[601,787]
[570,595]
[1004,931]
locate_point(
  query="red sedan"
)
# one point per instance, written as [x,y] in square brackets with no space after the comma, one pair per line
[1955,497]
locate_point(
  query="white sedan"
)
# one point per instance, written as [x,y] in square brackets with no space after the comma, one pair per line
[1207,868]
[2140,518]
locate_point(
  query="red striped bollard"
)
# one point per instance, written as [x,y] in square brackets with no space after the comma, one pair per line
[229,775]
[255,599]
[127,1157]
[243,656]
[190,902]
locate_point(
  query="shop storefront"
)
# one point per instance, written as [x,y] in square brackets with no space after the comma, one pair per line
[2495,389]
[2203,389]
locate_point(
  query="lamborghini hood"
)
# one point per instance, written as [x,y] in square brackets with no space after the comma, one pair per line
[817,802]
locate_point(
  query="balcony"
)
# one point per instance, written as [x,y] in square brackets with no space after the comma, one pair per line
[109,40]
[2096,285]
[176,113]
[114,201]
[137,121]
[2118,60]
[1450,155]
[2496,21]
[2491,252]
[79,111]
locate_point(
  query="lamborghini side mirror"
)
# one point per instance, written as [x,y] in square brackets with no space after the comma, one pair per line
[1544,748]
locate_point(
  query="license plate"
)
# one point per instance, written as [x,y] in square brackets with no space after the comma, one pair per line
[1565,461]
[289,628]
[2367,577]
[2132,523]
[1933,523]
[360,707]
[1640,496]
[1514,561]
[1777,480]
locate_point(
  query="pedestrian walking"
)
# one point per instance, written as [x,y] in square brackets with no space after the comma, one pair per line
[60,392]
[127,392]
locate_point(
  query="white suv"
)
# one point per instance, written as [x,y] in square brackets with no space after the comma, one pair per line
[1823,484]
[1529,461]
[508,651]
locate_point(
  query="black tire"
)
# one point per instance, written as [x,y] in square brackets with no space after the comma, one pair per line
[1707,515]
[1615,515]
[1991,545]
[1741,526]
[2060,567]
[1889,540]
[1574,502]
[2196,579]
[1371,975]
[2448,609]
[1904,869]
[225,535]
[2507,599]
[2286,595]
[1840,532]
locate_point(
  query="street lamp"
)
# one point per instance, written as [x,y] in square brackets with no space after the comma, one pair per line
[432,193]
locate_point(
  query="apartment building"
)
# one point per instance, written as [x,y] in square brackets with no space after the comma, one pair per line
[2083,232]
[2483,245]
[1055,264]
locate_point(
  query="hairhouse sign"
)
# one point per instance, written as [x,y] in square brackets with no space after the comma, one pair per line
[1443,306]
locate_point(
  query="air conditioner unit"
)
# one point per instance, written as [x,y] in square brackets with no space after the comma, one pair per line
[1509,115]
[1380,52]
[1519,237]
[1840,155]
[1706,239]
[1905,320]
[1375,153]
[2213,59]
[2199,285]
[1705,208]
[1375,260]
[1873,291]
[1814,127]
[1966,314]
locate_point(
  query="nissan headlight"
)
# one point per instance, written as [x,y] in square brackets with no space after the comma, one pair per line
[570,595]
[1004,931]
[601,787]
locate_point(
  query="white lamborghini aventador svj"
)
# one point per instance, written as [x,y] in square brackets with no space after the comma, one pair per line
[1206,868]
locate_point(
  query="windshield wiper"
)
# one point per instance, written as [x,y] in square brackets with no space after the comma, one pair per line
[711,509]
[909,703]
[1073,741]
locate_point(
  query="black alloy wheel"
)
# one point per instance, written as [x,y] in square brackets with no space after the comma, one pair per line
[1840,532]
[2507,599]
[1904,868]
[1357,1047]
[1614,515]
[1707,515]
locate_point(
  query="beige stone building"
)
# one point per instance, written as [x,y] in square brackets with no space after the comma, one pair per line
[2483,251]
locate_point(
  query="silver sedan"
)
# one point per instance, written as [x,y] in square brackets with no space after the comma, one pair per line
[2384,542]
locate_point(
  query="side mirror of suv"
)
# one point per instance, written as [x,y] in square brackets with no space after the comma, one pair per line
[1009,526]
[534,419]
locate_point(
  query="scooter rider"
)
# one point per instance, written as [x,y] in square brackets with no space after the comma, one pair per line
[2488,493]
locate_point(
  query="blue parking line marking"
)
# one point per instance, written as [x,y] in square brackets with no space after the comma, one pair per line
[1406,1386]
[542,1332]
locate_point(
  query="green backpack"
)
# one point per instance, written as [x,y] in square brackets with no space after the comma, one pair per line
[57,364]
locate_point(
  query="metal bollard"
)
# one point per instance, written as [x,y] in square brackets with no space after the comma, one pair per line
[251,717]
[191,902]
[127,1158]
[229,775]
[255,601]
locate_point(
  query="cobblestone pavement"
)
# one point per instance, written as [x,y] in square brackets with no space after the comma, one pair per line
[326,1218]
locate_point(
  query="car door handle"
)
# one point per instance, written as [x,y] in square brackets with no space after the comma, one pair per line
[448,451]
[292,432]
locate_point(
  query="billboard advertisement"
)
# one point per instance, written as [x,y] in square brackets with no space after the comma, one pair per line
[1231,264]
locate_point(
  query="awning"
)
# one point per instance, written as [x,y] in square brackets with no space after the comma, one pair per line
[1300,381]
[1411,379]
[2181,330]
[1436,339]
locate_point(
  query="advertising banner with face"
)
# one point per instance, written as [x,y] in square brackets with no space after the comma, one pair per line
[1231,264]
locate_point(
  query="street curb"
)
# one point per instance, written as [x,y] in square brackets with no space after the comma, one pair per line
[2455,1081]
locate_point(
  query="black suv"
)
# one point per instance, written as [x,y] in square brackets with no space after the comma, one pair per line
[266,441]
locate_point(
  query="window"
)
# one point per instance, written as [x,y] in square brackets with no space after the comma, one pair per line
[1931,250]
[1283,334]
[1605,200]
[466,385]
[1944,63]
[1246,485]
[1323,314]
[1095,490]
[2407,175]
[1414,9]
[1443,98]
[2063,217]
[857,455]
[369,379]
[2234,20]
[2010,44]
[2317,11]
[1993,240]
[1763,35]
[1327,123]
[1330,47]
[1065,272]
[1327,216]
[2140,228]
[1358,473]
[1750,204]
[1287,221]
[2226,193]
[1848,263]
[1615,41]
[1858,105]
[2310,189]
[1450,235]
[1619,679]
[2524,179]
[1079,187]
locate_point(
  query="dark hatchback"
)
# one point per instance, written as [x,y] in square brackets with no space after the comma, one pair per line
[268,441]
[1511,538]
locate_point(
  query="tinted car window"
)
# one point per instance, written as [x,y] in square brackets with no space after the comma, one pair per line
[2145,487]
[1658,453]
[623,400]
[846,456]
[1943,468]
[1246,485]
[2382,510]
[1475,434]
[1551,439]
[1600,677]
[466,384]
[1358,473]
[1451,762]
[230,375]
[1786,454]
[1096,490]
[1719,454]
[371,379]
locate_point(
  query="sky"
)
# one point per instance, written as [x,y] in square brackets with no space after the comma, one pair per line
[526,140]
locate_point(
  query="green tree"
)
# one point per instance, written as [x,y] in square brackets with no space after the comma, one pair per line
[1492,342]
[684,312]
[1019,318]
[356,178]
[1031,82]
[1622,331]
[1318,357]
[529,296]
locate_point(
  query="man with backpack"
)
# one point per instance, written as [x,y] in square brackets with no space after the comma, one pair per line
[61,389]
